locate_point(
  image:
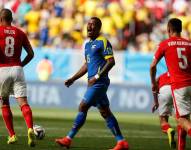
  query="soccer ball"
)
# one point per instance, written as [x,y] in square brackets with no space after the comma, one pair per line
[39,132]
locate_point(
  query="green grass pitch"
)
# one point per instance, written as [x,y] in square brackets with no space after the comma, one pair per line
[141,130]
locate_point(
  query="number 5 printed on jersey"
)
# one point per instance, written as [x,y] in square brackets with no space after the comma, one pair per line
[183,63]
[9,46]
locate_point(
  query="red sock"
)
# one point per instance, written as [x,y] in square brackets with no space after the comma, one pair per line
[165,127]
[8,119]
[181,138]
[189,132]
[27,113]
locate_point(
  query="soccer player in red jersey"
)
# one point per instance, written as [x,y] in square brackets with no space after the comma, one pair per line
[12,80]
[177,53]
[164,103]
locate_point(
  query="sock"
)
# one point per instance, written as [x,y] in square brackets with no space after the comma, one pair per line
[112,124]
[165,127]
[189,132]
[8,119]
[181,138]
[27,114]
[78,123]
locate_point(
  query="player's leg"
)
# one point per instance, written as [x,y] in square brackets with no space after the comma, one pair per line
[27,114]
[181,138]
[102,104]
[165,110]
[78,123]
[8,120]
[80,119]
[164,123]
[165,107]
[112,124]
[88,101]
[182,103]
[184,122]
[166,128]
[20,92]
[183,129]
[26,111]
[5,90]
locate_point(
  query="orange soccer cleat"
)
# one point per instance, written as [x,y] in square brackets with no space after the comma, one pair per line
[65,142]
[121,145]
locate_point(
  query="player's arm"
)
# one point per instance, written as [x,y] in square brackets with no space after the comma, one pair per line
[155,96]
[110,62]
[107,53]
[153,69]
[79,74]
[28,48]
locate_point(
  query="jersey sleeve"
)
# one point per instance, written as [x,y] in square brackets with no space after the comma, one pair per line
[107,51]
[160,52]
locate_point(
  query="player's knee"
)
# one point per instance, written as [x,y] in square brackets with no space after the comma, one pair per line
[22,101]
[187,117]
[4,101]
[105,113]
[83,107]
[183,118]
[163,119]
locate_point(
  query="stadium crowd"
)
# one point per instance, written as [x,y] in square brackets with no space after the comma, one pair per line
[133,25]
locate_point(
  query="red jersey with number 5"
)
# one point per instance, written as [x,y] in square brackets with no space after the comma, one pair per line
[177,53]
[12,40]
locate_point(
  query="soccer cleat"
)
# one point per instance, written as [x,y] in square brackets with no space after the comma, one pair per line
[11,140]
[172,142]
[31,137]
[65,142]
[121,145]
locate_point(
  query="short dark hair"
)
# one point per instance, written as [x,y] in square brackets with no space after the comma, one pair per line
[6,15]
[175,25]
[98,21]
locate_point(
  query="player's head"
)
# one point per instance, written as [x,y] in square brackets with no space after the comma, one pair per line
[94,27]
[6,16]
[174,27]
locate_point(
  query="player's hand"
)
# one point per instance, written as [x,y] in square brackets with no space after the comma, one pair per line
[91,81]
[155,107]
[69,82]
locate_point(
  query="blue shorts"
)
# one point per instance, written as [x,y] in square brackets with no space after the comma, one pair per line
[96,96]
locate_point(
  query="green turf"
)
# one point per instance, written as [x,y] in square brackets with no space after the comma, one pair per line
[141,130]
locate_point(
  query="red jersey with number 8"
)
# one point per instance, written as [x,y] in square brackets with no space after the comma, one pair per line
[177,53]
[12,40]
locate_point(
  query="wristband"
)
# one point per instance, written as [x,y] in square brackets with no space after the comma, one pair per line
[97,76]
[154,92]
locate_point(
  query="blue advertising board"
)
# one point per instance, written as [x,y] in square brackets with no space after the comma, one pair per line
[127,97]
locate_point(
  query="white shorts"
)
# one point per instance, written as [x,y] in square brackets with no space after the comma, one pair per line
[182,101]
[165,101]
[12,82]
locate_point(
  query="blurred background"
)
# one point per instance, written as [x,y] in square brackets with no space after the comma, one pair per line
[57,31]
